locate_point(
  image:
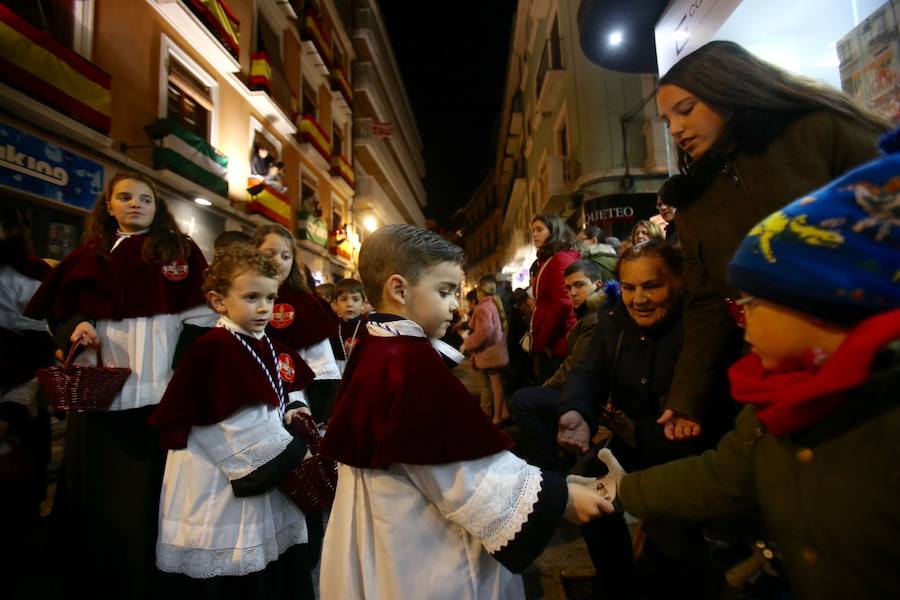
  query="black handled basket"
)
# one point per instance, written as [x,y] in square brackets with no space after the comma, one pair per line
[77,388]
[312,483]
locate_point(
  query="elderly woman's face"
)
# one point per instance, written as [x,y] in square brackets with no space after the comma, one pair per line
[693,124]
[649,289]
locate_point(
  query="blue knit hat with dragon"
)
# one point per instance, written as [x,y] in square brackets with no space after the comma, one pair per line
[835,253]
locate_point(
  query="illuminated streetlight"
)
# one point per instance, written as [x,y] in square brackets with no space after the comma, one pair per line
[202,201]
[370,223]
[615,38]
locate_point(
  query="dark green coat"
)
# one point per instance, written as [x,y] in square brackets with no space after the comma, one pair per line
[829,497]
[810,152]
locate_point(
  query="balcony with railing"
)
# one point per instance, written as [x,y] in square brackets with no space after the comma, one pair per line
[314,134]
[373,101]
[377,158]
[340,83]
[315,40]
[550,73]
[208,26]
[43,70]
[268,91]
[342,169]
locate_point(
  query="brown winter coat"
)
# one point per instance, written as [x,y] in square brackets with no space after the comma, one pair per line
[810,152]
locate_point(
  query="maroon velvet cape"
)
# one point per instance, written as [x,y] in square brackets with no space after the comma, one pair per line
[216,377]
[301,319]
[119,286]
[399,403]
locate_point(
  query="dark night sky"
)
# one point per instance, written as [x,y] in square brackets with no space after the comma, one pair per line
[452,57]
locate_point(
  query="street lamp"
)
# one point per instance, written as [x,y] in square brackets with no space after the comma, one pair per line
[615,38]
[370,223]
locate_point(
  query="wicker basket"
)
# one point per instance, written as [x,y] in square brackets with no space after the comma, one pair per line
[77,388]
[312,483]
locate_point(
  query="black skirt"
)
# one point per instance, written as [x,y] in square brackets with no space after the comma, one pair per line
[106,510]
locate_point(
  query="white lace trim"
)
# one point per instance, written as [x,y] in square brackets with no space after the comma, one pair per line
[245,462]
[502,504]
[201,563]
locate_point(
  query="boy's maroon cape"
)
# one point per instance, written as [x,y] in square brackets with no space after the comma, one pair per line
[215,378]
[399,403]
[119,286]
[301,319]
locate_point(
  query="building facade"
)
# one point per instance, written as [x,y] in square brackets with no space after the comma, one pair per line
[574,138]
[481,237]
[205,97]
[386,142]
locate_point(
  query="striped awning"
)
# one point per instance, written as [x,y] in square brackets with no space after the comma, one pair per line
[34,63]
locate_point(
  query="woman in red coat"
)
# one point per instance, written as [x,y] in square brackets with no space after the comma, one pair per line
[553,314]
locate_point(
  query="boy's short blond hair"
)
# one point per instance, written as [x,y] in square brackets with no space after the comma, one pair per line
[403,250]
[233,260]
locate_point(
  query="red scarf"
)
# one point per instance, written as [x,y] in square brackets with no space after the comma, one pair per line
[796,400]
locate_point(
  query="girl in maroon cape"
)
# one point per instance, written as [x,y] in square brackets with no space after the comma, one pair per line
[130,287]
[302,321]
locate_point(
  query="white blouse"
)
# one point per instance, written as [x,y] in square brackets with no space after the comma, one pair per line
[204,529]
[320,358]
[146,345]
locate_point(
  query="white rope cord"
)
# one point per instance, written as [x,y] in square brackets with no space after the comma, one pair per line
[279,391]
[352,340]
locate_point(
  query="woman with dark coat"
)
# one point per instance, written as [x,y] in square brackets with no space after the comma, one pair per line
[621,383]
[750,137]
[553,315]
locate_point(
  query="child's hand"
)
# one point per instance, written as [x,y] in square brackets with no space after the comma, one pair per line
[585,504]
[85,334]
[289,415]
[574,432]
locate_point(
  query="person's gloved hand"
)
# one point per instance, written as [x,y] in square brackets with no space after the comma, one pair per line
[608,485]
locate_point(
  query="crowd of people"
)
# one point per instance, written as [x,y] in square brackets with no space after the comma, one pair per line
[729,379]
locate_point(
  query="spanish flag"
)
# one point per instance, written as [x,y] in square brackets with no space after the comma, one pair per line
[270,203]
[216,15]
[34,63]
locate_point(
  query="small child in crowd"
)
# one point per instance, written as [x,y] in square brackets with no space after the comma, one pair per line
[814,453]
[430,502]
[348,304]
[225,529]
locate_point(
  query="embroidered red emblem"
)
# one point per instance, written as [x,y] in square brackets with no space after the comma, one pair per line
[175,271]
[286,367]
[282,316]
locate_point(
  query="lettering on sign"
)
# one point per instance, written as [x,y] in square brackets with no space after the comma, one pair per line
[613,213]
[23,163]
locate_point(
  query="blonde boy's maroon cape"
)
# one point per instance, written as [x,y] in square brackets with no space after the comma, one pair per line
[216,377]
[301,319]
[400,403]
[121,285]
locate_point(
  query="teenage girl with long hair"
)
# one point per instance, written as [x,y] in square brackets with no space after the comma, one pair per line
[553,315]
[750,137]
[128,288]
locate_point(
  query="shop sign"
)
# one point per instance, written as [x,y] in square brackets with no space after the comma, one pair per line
[34,165]
[686,25]
[616,214]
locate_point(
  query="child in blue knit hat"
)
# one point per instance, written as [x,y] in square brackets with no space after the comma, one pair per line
[816,452]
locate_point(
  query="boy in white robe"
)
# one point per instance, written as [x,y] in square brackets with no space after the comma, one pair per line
[430,503]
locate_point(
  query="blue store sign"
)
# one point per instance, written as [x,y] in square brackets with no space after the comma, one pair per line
[34,165]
